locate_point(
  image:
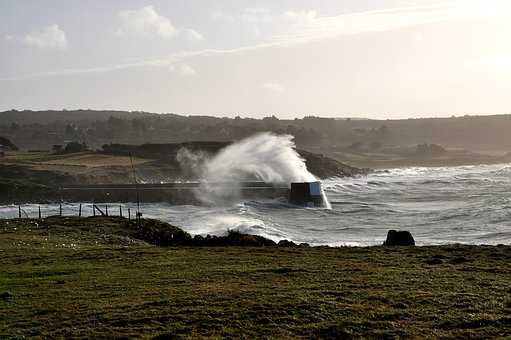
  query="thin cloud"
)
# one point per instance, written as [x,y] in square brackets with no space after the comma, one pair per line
[274,87]
[192,34]
[155,62]
[51,37]
[497,62]
[183,69]
[220,15]
[309,27]
[301,17]
[146,21]
[256,15]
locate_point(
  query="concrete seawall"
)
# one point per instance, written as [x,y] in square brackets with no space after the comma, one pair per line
[175,193]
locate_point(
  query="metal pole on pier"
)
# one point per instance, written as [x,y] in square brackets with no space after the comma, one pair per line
[80,211]
[106,209]
[19,211]
[136,187]
[129,215]
[120,210]
[60,209]
[39,208]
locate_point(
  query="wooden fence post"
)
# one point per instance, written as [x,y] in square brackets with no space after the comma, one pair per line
[19,211]
[39,207]
[80,211]
[95,207]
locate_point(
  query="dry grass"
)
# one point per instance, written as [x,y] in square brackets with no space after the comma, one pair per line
[91,159]
[88,159]
[82,163]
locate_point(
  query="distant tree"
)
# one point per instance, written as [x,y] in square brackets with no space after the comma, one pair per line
[57,148]
[14,127]
[375,145]
[356,146]
[383,130]
[140,125]
[7,144]
[73,147]
[70,130]
[430,149]
[272,118]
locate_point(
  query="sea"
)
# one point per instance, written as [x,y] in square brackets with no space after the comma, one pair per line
[438,205]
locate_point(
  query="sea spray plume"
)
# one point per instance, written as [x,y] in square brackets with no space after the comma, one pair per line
[264,157]
[191,162]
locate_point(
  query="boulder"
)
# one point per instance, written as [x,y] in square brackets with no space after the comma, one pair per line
[399,238]
[235,238]
[286,243]
[6,295]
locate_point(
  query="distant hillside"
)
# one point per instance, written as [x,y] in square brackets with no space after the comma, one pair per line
[45,117]
[356,141]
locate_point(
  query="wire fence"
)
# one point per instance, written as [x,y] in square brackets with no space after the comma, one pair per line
[69,209]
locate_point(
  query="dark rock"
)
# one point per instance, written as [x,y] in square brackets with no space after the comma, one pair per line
[235,238]
[166,336]
[286,270]
[286,243]
[304,245]
[459,260]
[399,238]
[434,261]
[162,234]
[325,167]
[6,295]
[400,305]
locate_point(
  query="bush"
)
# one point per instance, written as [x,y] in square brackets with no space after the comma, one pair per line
[430,149]
[8,144]
[73,147]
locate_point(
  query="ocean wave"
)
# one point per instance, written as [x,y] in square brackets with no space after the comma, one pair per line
[470,204]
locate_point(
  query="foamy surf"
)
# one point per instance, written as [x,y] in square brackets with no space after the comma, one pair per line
[264,157]
[470,205]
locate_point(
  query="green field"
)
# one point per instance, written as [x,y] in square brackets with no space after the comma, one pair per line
[70,277]
[73,162]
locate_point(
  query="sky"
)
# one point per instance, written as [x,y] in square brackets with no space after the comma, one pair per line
[289,58]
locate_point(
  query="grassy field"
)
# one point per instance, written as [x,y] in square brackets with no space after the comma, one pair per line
[92,278]
[87,159]
[27,176]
